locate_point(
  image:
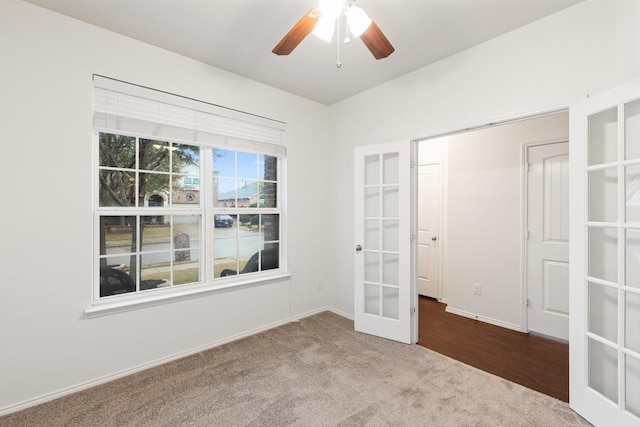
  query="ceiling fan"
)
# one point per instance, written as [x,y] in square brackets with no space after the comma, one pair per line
[321,21]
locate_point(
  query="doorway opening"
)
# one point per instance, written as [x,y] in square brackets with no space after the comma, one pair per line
[482,267]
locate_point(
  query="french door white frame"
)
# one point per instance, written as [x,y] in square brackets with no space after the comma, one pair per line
[583,397]
[371,281]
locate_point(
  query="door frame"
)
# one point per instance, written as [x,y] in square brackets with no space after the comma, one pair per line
[524,291]
[413,195]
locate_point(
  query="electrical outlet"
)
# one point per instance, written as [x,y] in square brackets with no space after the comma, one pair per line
[477,289]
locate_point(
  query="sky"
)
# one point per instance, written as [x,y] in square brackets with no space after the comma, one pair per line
[250,167]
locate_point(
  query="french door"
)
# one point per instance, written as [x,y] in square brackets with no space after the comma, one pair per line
[382,247]
[605,257]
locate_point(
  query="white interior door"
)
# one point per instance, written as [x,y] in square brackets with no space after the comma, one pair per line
[429,202]
[605,257]
[382,259]
[548,239]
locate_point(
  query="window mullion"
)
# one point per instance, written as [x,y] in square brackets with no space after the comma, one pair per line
[206,186]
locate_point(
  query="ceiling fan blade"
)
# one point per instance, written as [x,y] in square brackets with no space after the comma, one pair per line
[376,41]
[296,34]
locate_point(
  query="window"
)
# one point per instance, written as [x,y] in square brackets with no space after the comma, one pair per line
[192,203]
[248,223]
[189,180]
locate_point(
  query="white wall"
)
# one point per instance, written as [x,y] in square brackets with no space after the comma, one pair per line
[546,65]
[47,345]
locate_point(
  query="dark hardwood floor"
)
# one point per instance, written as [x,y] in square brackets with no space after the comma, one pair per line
[535,362]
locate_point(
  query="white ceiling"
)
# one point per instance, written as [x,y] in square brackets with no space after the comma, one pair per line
[238,35]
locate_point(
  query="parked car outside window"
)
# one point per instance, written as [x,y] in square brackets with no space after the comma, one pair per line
[223,220]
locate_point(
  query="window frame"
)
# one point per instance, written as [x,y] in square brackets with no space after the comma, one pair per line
[206,210]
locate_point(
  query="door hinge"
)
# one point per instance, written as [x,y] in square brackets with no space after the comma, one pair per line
[413,237]
[412,164]
[527,166]
[526,302]
[528,235]
[412,311]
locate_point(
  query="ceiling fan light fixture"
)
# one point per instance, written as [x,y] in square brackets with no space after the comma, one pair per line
[324,28]
[331,8]
[321,21]
[358,20]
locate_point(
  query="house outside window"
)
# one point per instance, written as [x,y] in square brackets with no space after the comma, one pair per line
[161,201]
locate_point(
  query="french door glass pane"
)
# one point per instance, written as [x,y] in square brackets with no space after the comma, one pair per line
[603,195]
[603,311]
[603,253]
[390,167]
[603,369]
[390,235]
[632,130]
[372,170]
[372,267]
[632,193]
[390,269]
[603,137]
[372,202]
[390,302]
[632,391]
[632,259]
[372,234]
[372,299]
[632,322]
[391,202]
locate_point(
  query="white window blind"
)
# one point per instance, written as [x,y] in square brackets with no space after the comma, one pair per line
[128,108]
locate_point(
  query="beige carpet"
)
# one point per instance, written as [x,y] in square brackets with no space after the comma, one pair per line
[317,372]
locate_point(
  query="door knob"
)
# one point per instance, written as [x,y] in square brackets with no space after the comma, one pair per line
[434,238]
[358,248]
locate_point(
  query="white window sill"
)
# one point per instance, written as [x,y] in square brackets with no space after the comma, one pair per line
[135,302]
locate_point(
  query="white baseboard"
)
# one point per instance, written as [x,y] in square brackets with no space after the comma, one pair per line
[474,316]
[83,386]
[340,313]
[320,310]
